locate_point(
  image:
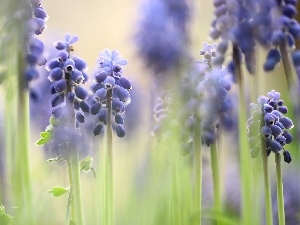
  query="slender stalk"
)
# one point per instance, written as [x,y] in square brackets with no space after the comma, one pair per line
[216,179]
[280,198]
[78,207]
[22,153]
[197,174]
[76,203]
[10,136]
[70,198]
[268,199]
[245,171]
[176,215]
[108,173]
[288,65]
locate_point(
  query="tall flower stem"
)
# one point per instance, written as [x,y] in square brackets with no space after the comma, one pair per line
[22,152]
[175,214]
[268,199]
[197,174]
[10,127]
[70,216]
[76,187]
[280,198]
[288,66]
[216,179]
[243,144]
[76,203]
[108,166]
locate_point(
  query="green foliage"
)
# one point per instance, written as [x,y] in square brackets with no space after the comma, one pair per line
[72,222]
[58,191]
[5,219]
[86,165]
[47,135]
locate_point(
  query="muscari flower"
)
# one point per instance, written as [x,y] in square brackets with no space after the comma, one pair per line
[274,129]
[243,24]
[206,101]
[215,107]
[25,20]
[35,47]
[286,29]
[248,23]
[67,72]
[109,78]
[161,39]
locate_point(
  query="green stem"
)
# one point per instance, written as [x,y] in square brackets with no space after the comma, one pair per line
[22,153]
[175,212]
[288,65]
[268,199]
[108,170]
[76,203]
[77,200]
[9,162]
[216,179]
[280,198]
[197,174]
[70,198]
[245,171]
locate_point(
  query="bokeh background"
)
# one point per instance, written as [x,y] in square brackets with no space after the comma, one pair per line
[113,24]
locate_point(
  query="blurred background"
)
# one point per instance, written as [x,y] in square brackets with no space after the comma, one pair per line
[113,24]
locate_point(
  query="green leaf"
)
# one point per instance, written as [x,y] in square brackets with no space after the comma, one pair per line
[72,222]
[47,135]
[58,191]
[5,219]
[86,163]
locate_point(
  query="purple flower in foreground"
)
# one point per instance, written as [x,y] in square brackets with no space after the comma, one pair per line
[67,72]
[109,78]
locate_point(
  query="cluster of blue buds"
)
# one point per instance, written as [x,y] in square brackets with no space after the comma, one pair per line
[110,83]
[243,23]
[287,29]
[216,105]
[36,25]
[169,30]
[268,121]
[67,72]
[207,102]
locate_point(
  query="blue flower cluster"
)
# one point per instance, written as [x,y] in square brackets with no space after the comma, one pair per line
[215,107]
[206,101]
[243,23]
[287,29]
[268,121]
[110,83]
[161,39]
[35,48]
[67,72]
